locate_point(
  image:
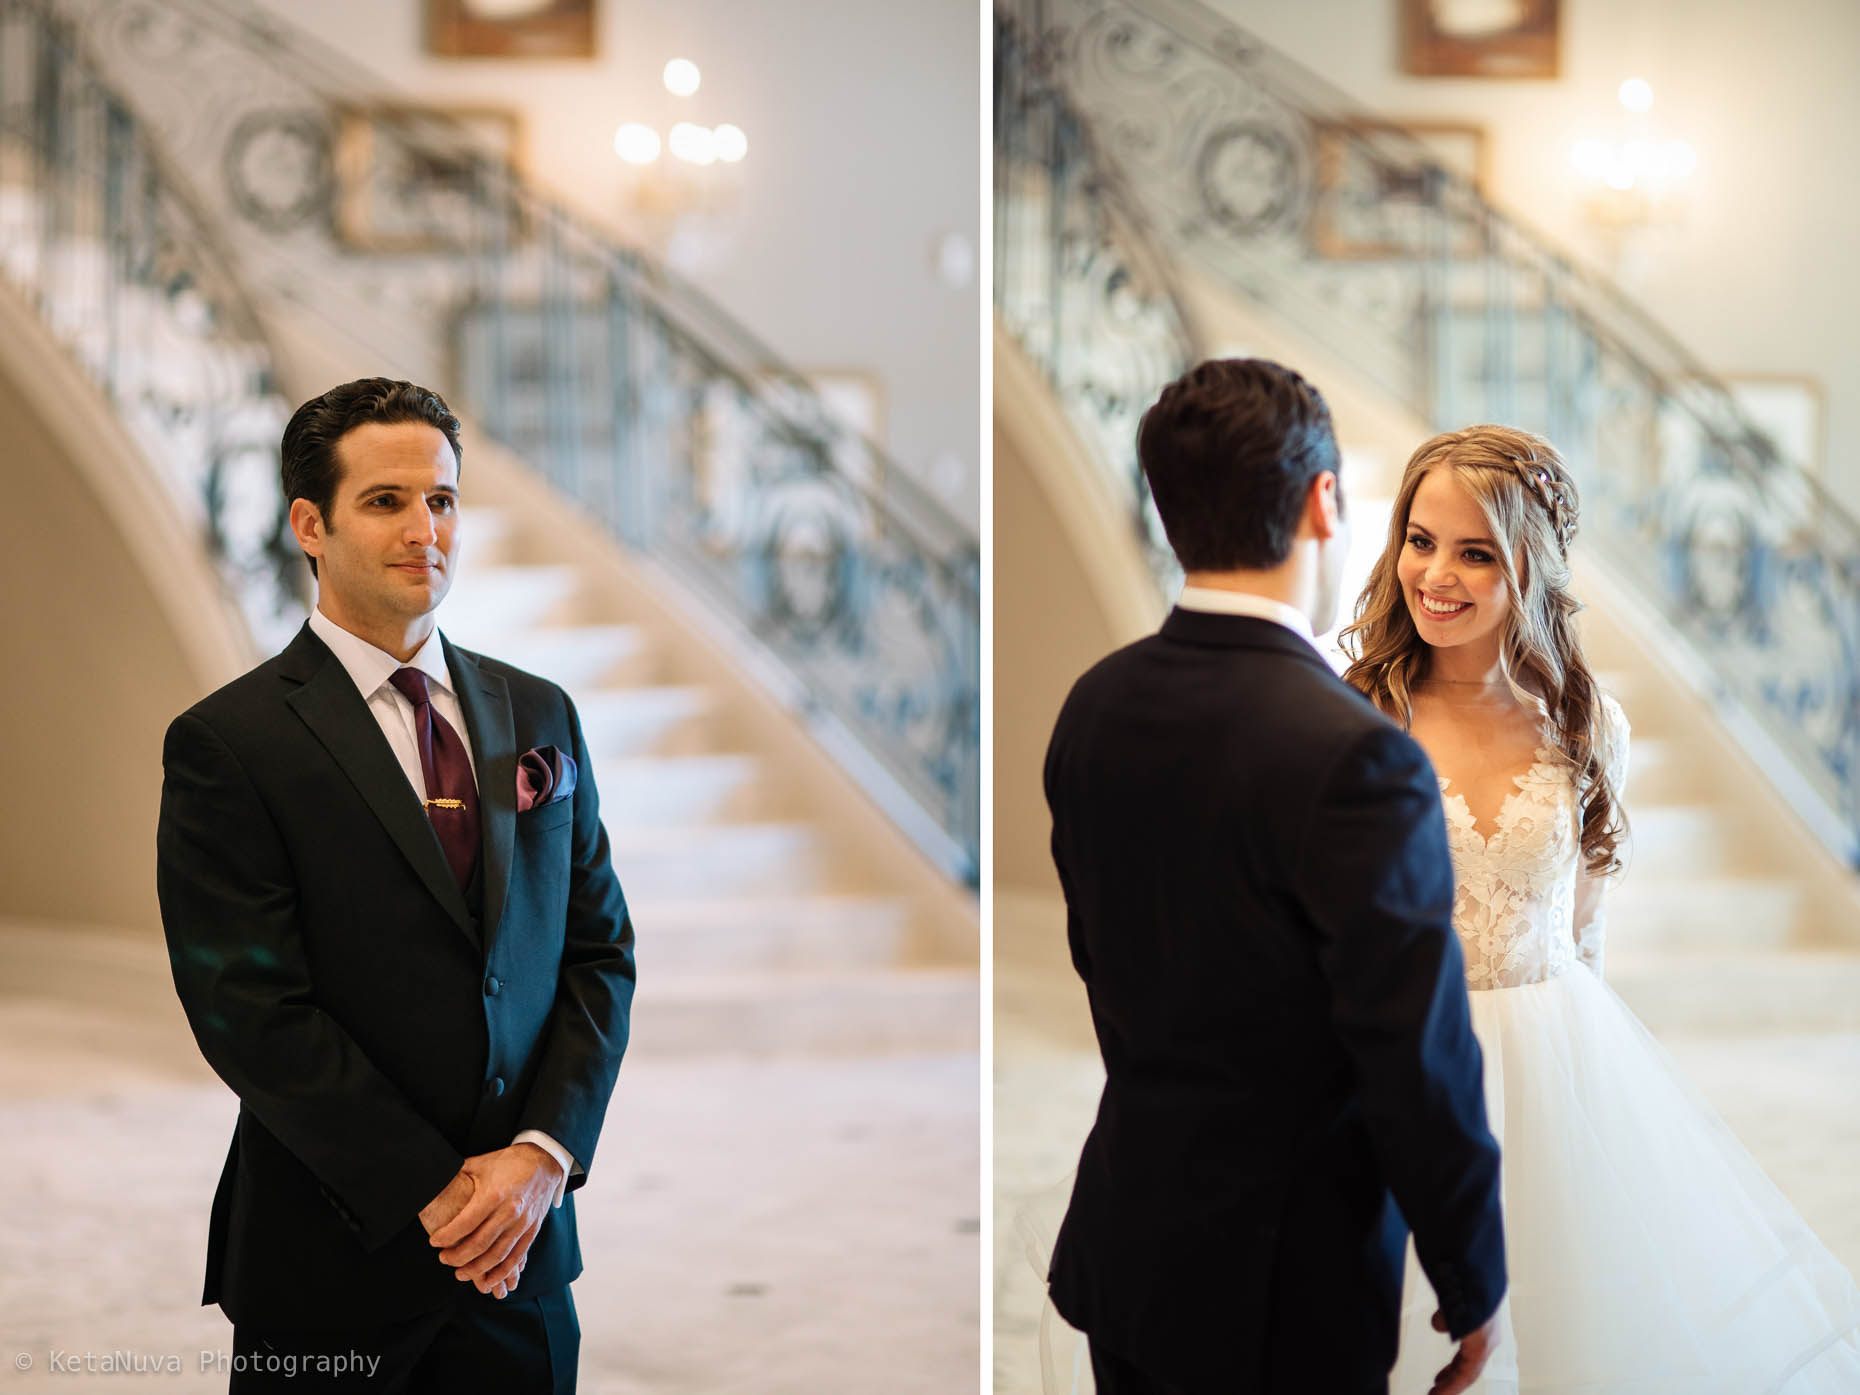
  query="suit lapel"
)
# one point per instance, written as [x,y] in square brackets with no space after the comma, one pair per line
[484,698]
[330,705]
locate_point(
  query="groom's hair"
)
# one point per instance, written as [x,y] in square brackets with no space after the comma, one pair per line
[1230,450]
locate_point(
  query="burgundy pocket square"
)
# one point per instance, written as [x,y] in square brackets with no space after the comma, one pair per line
[545,775]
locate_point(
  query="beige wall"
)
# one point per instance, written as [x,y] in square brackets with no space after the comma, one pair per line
[95,672]
[1047,632]
[1070,587]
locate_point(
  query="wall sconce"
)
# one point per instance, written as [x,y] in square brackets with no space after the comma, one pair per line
[1637,178]
[686,172]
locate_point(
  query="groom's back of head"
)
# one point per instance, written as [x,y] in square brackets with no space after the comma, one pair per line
[1230,450]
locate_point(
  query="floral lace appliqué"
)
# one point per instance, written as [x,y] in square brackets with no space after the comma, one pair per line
[1514,894]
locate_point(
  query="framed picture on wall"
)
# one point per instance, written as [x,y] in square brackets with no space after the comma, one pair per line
[1367,208]
[1479,38]
[421,179]
[510,28]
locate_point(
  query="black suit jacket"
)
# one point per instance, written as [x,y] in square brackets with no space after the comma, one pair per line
[1259,900]
[375,1030]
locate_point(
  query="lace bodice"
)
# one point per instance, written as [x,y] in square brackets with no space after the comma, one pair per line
[1524,908]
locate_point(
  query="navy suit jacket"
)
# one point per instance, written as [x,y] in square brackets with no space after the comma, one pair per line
[376,1031]
[1259,899]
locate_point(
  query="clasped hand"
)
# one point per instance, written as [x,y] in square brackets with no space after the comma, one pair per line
[1474,1349]
[485,1220]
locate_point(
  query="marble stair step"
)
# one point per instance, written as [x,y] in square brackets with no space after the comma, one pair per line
[1663,770]
[738,936]
[1679,840]
[1624,685]
[1739,992]
[582,658]
[1703,911]
[768,1014]
[487,537]
[491,598]
[695,862]
[653,719]
[681,789]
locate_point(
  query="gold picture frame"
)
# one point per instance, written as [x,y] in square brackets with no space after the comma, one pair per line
[1358,200]
[559,29]
[413,178]
[1480,38]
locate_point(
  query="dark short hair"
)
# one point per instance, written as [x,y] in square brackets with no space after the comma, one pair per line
[309,466]
[1230,450]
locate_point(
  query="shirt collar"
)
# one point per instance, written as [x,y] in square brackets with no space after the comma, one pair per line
[371,667]
[1219,602]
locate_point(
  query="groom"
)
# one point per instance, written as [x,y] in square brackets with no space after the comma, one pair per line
[1259,900]
[395,932]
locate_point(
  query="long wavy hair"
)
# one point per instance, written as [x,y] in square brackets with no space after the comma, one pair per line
[1531,507]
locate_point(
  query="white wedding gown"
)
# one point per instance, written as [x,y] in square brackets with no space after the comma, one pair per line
[1648,1253]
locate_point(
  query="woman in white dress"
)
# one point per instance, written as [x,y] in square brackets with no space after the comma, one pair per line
[1648,1253]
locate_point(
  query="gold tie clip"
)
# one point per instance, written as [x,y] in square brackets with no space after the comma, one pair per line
[448,803]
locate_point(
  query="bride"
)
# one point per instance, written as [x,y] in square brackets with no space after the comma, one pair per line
[1649,1255]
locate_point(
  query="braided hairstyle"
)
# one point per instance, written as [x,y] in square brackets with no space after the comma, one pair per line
[1531,506]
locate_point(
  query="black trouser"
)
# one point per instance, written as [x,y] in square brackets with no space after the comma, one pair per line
[520,1346]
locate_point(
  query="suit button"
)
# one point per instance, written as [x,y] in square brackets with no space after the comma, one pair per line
[495,1086]
[491,985]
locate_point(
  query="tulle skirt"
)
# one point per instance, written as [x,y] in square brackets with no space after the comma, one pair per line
[1648,1253]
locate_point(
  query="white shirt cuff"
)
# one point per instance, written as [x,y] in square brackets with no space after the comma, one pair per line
[554,1150]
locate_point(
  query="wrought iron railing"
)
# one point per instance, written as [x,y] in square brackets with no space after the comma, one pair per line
[402,237]
[1076,279]
[1266,181]
[101,239]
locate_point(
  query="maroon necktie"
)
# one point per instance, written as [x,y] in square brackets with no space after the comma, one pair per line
[451,798]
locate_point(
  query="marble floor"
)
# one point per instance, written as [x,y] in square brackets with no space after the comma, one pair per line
[1793,1098]
[754,1227]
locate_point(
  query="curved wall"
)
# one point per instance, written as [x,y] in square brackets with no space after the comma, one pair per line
[110,624]
[1069,587]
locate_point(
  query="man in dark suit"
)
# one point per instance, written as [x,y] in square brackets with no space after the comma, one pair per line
[395,931]
[1259,900]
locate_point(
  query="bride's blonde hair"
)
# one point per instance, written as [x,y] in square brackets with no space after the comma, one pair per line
[1530,505]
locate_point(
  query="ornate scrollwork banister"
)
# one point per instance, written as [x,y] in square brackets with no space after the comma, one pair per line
[105,241]
[1076,279]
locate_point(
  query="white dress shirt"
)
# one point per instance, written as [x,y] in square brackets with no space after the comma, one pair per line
[371,668]
[1217,602]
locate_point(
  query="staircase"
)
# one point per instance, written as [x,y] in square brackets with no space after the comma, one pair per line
[1155,176]
[769,632]
[1731,920]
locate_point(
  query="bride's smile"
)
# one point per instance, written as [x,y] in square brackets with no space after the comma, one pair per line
[1439,608]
